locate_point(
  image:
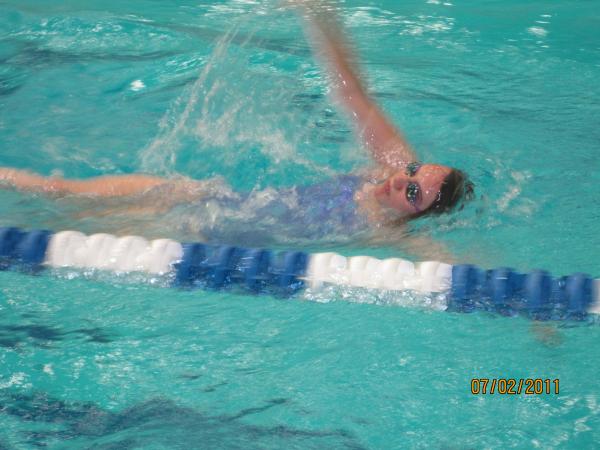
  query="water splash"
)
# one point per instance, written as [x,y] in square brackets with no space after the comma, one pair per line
[352,294]
[240,109]
[160,154]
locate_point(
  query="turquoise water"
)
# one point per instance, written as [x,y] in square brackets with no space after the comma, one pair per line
[506,91]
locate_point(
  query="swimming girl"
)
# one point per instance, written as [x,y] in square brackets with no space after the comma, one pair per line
[400,189]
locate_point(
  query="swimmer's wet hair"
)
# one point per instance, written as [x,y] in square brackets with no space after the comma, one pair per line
[454,188]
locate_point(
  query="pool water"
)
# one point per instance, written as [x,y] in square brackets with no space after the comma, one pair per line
[503,90]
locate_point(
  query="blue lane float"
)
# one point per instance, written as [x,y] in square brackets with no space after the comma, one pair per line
[464,288]
[536,293]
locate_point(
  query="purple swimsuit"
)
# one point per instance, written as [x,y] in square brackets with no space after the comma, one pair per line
[323,211]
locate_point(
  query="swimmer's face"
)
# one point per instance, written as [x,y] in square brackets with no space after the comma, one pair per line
[413,189]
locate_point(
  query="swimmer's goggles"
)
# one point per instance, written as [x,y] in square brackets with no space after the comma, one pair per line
[413,190]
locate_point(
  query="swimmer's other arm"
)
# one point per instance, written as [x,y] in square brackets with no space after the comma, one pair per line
[105,186]
[385,142]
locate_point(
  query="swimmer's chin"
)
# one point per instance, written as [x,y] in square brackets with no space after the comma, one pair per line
[381,195]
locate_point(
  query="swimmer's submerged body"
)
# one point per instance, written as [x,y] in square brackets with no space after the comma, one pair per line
[398,190]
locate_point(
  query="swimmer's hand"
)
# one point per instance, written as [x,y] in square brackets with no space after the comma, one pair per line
[547,334]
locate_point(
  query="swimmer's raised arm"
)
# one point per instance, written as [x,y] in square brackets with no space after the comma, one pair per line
[385,142]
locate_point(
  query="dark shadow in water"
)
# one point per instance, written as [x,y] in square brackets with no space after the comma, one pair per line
[190,376]
[4,446]
[12,336]
[8,87]
[214,387]
[157,421]
[95,334]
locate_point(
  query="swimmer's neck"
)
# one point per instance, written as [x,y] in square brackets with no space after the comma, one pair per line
[369,207]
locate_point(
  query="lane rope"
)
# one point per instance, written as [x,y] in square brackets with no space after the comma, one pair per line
[467,288]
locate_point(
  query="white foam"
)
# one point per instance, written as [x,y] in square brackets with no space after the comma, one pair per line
[537,31]
[137,85]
